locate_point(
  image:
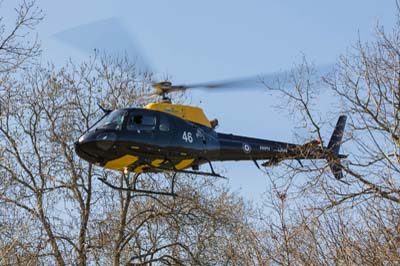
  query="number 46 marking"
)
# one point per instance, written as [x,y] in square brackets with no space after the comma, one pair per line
[187,136]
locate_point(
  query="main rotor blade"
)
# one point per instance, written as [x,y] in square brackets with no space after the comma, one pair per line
[252,82]
[110,36]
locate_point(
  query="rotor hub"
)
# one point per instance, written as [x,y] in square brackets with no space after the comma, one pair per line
[162,86]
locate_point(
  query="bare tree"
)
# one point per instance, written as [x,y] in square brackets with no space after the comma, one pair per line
[75,219]
[354,221]
[17,45]
[365,84]
[54,209]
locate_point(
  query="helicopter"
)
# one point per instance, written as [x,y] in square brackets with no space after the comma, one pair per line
[167,137]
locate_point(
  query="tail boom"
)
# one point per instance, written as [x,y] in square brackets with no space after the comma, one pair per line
[237,148]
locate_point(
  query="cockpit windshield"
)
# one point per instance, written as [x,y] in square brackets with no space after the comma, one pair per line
[113,120]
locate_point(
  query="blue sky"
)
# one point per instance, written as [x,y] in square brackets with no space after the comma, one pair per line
[196,41]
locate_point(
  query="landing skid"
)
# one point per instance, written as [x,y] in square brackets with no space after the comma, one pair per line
[198,173]
[212,173]
[144,191]
[161,169]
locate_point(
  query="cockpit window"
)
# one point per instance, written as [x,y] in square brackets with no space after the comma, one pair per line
[164,124]
[113,120]
[141,122]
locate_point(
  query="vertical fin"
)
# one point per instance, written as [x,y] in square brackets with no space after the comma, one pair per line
[337,135]
[334,148]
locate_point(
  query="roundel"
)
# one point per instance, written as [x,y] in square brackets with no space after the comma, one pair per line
[246,148]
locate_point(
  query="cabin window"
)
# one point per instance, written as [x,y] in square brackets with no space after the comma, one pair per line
[141,122]
[164,124]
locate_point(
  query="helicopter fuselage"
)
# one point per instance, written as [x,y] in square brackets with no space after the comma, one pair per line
[143,140]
